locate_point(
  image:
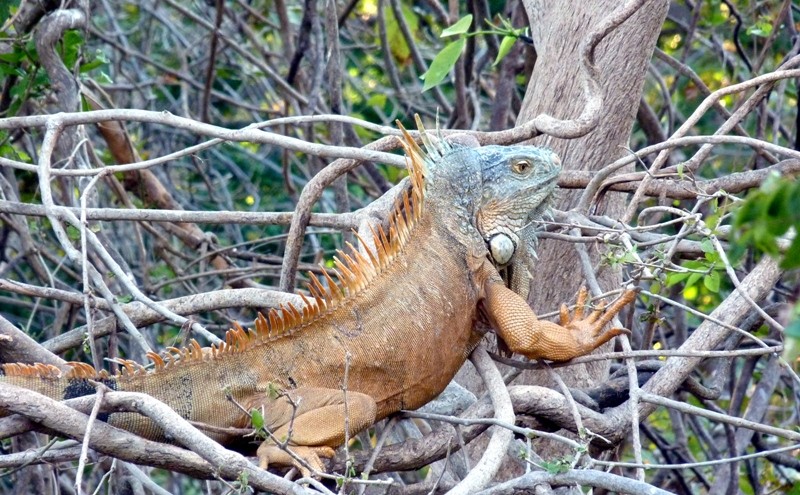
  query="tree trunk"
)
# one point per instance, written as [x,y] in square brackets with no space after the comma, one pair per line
[557,29]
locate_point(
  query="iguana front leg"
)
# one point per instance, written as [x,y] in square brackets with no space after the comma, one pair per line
[312,420]
[525,334]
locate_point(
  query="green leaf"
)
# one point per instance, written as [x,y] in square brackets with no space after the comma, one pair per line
[442,64]
[243,480]
[693,278]
[695,265]
[459,27]
[712,257]
[273,391]
[125,299]
[5,8]
[713,15]
[30,50]
[14,56]
[11,70]
[557,466]
[676,278]
[762,28]
[791,258]
[748,212]
[257,419]
[73,233]
[775,216]
[90,66]
[98,60]
[161,271]
[505,46]
[397,41]
[793,203]
[377,100]
[629,257]
[712,281]
[104,78]
[70,46]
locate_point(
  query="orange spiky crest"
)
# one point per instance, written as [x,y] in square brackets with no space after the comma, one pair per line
[39,370]
[415,160]
[354,271]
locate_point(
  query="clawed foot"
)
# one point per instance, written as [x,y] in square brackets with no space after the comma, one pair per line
[525,334]
[588,331]
[272,454]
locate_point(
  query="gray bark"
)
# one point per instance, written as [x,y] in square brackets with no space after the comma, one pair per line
[555,88]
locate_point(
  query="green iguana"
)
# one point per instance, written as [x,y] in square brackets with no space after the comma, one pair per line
[403,313]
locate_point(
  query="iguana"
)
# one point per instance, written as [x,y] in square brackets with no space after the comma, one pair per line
[399,321]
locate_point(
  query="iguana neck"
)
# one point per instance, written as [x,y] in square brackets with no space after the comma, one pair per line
[452,190]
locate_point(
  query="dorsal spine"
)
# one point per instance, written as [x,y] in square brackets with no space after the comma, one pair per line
[355,271]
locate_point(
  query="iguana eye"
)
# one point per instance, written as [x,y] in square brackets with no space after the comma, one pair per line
[521,167]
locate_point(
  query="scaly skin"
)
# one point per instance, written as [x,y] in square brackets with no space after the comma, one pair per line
[401,333]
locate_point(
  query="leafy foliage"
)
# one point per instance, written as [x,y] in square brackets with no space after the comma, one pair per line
[769,221]
[446,59]
[443,63]
[766,216]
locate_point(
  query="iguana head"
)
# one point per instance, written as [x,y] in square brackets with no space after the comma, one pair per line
[517,187]
[496,190]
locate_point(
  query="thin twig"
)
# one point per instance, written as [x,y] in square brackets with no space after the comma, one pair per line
[100,392]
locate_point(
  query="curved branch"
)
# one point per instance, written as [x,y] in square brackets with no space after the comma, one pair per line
[250,133]
[487,467]
[17,346]
[310,195]
[48,34]
[59,417]
[595,96]
[583,477]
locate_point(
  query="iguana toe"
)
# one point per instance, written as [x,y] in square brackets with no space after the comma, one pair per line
[309,462]
[600,316]
[604,337]
[603,314]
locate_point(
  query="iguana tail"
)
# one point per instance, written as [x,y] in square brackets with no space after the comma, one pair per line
[52,382]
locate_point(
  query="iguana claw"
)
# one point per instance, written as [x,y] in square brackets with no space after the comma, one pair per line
[576,336]
[592,326]
[597,319]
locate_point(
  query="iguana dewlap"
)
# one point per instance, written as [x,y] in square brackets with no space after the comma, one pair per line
[401,317]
